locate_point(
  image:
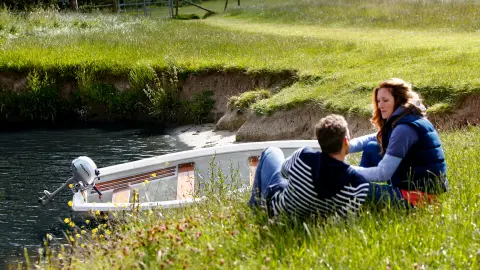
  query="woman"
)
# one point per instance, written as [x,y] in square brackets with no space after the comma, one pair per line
[406,151]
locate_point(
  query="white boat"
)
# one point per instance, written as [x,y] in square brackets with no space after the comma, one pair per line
[170,180]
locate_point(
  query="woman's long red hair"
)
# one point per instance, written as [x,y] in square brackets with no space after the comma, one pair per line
[403,95]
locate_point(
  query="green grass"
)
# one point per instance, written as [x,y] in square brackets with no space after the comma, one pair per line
[341,50]
[422,15]
[224,233]
[246,99]
[427,43]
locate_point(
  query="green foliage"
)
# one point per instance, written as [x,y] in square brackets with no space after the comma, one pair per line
[199,107]
[39,101]
[36,82]
[163,95]
[93,100]
[164,99]
[338,48]
[5,18]
[108,103]
[403,14]
[342,62]
[440,108]
[248,98]
[141,75]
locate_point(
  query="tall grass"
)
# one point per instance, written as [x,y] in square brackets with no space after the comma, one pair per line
[223,232]
[392,14]
[339,42]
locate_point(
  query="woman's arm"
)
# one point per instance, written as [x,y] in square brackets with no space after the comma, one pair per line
[381,173]
[402,138]
[358,144]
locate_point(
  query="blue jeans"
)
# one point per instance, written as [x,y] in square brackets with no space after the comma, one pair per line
[371,155]
[267,179]
[380,193]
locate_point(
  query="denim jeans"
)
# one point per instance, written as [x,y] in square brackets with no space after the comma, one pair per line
[268,179]
[371,155]
[379,192]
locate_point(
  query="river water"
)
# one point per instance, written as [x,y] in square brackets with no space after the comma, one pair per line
[31,161]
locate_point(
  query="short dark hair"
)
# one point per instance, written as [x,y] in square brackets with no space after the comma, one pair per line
[330,132]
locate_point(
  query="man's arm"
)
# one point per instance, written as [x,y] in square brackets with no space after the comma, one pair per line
[358,144]
[402,138]
[289,161]
[356,190]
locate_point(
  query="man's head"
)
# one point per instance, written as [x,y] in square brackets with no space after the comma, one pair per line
[332,134]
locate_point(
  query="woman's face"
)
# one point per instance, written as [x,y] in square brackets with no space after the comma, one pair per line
[385,102]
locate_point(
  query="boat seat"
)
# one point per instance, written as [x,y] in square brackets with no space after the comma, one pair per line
[252,162]
[185,181]
[135,179]
[121,195]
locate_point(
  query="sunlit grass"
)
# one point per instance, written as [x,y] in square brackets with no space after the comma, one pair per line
[392,14]
[348,47]
[223,232]
[440,58]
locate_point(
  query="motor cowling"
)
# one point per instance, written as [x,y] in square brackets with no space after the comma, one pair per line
[84,171]
[85,174]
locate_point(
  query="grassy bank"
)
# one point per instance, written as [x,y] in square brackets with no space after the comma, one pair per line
[224,233]
[347,47]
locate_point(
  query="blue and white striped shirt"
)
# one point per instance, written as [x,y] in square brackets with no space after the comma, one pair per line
[318,184]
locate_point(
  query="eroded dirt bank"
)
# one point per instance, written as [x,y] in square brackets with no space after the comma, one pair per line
[230,83]
[466,112]
[299,123]
[29,97]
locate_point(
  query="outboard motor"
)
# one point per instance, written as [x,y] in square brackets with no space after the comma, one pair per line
[85,175]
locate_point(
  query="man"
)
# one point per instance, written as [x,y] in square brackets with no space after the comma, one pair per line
[310,182]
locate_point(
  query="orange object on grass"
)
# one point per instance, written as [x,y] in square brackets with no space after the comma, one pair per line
[418,198]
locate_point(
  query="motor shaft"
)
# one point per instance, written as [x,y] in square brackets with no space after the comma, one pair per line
[49,196]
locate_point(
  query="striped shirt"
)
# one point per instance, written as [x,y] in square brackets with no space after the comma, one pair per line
[318,184]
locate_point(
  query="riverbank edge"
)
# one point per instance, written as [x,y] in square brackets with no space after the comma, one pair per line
[61,98]
[167,96]
[300,122]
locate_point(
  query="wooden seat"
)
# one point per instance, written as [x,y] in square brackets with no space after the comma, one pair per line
[135,179]
[185,181]
[121,195]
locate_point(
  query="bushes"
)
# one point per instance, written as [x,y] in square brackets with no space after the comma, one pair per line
[39,101]
[29,4]
[198,109]
[165,103]
[88,94]
[163,95]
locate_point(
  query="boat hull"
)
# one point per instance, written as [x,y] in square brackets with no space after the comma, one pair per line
[178,179]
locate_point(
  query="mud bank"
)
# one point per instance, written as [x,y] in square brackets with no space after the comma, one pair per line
[465,112]
[225,84]
[299,123]
[115,99]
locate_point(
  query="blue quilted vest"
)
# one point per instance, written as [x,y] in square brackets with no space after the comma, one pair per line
[423,168]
